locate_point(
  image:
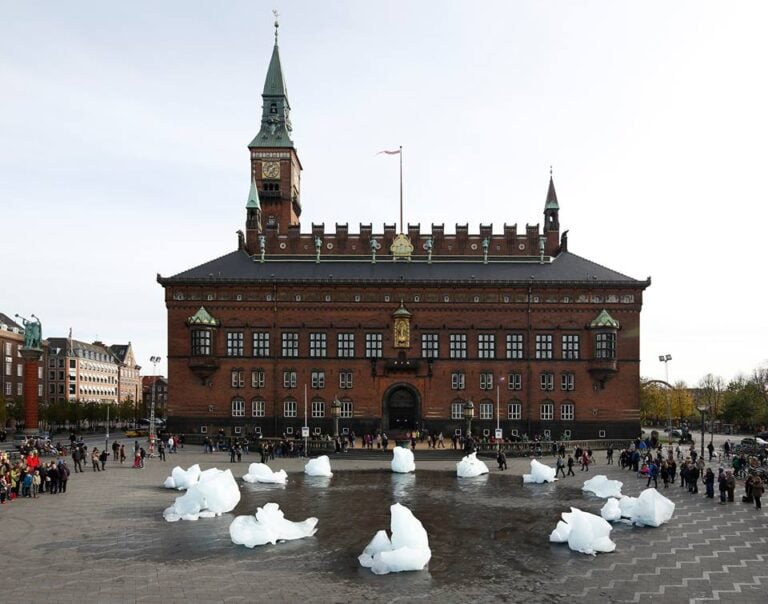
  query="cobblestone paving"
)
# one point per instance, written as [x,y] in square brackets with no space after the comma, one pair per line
[105,541]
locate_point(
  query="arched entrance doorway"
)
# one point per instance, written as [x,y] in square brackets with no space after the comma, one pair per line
[401,408]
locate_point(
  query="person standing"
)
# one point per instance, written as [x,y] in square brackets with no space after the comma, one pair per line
[709,483]
[115,450]
[161,449]
[122,453]
[560,466]
[570,465]
[711,449]
[757,491]
[585,461]
[103,456]
[501,459]
[95,460]
[730,481]
[653,475]
[722,485]
[77,459]
[609,455]
[63,476]
[36,484]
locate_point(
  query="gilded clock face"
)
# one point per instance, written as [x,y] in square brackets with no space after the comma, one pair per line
[270,169]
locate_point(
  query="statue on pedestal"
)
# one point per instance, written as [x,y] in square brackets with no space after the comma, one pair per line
[33,332]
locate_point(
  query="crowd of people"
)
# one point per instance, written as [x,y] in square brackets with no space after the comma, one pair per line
[30,476]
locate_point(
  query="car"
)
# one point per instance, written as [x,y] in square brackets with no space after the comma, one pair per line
[754,441]
[675,433]
[763,435]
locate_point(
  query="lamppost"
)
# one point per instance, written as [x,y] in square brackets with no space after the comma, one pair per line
[702,409]
[152,435]
[666,358]
[106,438]
[335,414]
[469,413]
[498,426]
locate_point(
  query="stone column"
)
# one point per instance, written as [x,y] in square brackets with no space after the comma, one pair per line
[31,358]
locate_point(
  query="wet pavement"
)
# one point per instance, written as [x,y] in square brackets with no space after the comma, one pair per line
[106,541]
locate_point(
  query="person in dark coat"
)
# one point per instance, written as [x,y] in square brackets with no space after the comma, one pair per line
[722,485]
[709,483]
[501,459]
[757,491]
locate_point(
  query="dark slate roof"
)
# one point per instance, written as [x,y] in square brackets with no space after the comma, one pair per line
[239,267]
[120,351]
[10,322]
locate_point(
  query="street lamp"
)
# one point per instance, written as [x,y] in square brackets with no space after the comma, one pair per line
[666,358]
[152,435]
[498,426]
[335,414]
[469,413]
[702,409]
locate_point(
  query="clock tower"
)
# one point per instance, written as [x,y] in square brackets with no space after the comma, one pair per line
[275,165]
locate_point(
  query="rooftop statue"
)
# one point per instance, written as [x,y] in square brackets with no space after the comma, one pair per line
[33,332]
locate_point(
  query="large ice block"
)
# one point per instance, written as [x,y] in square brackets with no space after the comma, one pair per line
[182,479]
[320,466]
[269,525]
[470,466]
[651,508]
[402,460]
[602,487]
[540,473]
[407,550]
[261,472]
[216,493]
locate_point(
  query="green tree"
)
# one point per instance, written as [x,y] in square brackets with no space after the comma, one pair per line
[682,401]
[653,401]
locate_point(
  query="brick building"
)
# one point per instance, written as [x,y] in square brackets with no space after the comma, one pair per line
[157,385]
[403,327]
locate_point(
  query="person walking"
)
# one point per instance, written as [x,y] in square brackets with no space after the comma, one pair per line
[570,465]
[585,461]
[95,459]
[103,456]
[161,450]
[560,466]
[122,453]
[730,481]
[757,490]
[77,459]
[501,459]
[653,475]
[711,449]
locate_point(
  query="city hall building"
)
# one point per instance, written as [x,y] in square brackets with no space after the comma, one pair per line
[396,328]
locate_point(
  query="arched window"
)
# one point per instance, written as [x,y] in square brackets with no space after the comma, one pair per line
[514,409]
[547,412]
[567,411]
[257,407]
[238,407]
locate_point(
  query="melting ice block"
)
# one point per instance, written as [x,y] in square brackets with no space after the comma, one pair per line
[320,466]
[540,473]
[215,493]
[408,549]
[182,479]
[402,460]
[651,508]
[261,472]
[611,511]
[584,532]
[269,525]
[470,466]
[602,487]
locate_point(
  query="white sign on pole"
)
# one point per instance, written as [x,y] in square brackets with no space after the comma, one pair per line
[499,432]
[304,432]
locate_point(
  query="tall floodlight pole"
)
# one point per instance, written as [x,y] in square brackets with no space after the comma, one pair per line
[306,425]
[666,358]
[152,435]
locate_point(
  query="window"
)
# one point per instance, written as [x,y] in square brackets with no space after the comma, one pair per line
[457,410]
[458,345]
[261,344]
[547,380]
[567,381]
[318,409]
[51,362]
[289,409]
[201,344]
[237,378]
[73,362]
[51,375]
[258,378]
[514,410]
[374,346]
[8,368]
[430,348]
[571,347]
[289,379]
[547,411]
[290,344]
[318,379]
[515,381]
[345,345]
[543,346]
[605,345]
[486,346]
[238,407]
[514,346]
[346,409]
[486,410]
[257,408]
[345,379]
[486,380]
[318,345]
[19,389]
[457,380]
[566,411]
[234,343]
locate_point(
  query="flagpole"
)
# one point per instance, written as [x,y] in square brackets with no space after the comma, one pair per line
[401,189]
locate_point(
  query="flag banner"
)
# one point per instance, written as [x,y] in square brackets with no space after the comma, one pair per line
[390,152]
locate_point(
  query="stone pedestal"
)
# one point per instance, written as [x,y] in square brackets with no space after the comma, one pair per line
[31,358]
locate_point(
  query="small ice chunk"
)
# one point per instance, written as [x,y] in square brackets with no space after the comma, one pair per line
[182,479]
[652,509]
[261,472]
[585,532]
[402,460]
[407,550]
[602,487]
[540,473]
[269,525]
[320,466]
[611,511]
[470,466]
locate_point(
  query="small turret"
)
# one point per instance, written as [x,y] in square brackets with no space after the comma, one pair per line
[253,219]
[551,219]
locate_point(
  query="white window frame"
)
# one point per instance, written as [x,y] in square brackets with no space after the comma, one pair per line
[289,344]
[345,345]
[261,344]
[347,409]
[567,411]
[318,409]
[514,410]
[457,410]
[567,380]
[238,379]
[235,343]
[317,379]
[289,408]
[318,345]
[486,410]
[457,345]
[458,380]
[547,380]
[571,346]
[238,407]
[346,379]
[430,345]
[547,411]
[544,346]
[374,345]
[258,378]
[515,346]
[486,345]
[258,407]
[290,378]
[486,380]
[514,381]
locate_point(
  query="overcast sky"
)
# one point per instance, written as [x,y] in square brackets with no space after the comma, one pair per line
[124,126]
